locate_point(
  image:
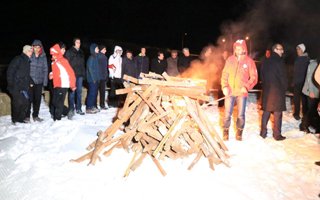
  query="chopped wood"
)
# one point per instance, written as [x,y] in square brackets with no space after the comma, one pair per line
[161,117]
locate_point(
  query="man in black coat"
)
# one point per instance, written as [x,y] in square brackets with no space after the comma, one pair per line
[159,64]
[76,59]
[19,80]
[274,85]
[184,61]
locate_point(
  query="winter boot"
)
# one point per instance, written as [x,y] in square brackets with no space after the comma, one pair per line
[225,134]
[239,134]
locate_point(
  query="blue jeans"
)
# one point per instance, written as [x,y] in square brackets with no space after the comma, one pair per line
[228,109]
[92,95]
[77,93]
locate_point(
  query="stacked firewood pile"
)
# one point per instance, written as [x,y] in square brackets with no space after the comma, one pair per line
[162,117]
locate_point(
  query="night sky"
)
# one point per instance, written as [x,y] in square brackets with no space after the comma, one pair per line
[158,23]
[161,23]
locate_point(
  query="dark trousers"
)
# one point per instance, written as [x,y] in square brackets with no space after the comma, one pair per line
[19,106]
[115,100]
[220,95]
[35,94]
[75,96]
[92,95]
[298,97]
[59,94]
[311,118]
[102,92]
[276,126]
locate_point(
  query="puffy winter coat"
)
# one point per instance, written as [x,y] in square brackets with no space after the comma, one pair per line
[62,72]
[39,66]
[18,74]
[238,73]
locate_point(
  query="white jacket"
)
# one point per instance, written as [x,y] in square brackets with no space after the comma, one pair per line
[115,62]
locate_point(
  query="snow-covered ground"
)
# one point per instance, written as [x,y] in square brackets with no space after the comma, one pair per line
[35,164]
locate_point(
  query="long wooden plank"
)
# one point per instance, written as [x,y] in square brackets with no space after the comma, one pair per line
[189,84]
[160,168]
[130,78]
[130,164]
[210,127]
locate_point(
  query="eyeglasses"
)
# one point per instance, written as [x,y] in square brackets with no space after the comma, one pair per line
[279,49]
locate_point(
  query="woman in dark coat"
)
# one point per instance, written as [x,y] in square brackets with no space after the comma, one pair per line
[274,85]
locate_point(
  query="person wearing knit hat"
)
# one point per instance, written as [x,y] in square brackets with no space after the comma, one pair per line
[299,74]
[302,47]
[19,80]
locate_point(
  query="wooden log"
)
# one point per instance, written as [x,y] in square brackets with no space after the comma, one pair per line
[152,132]
[130,89]
[188,84]
[95,155]
[193,147]
[138,162]
[210,127]
[151,75]
[172,130]
[158,117]
[151,143]
[130,78]
[186,92]
[160,168]
[141,111]
[196,159]
[172,78]
[156,110]
[206,133]
[210,160]
[130,164]
[109,151]
[131,97]
[83,158]
[204,148]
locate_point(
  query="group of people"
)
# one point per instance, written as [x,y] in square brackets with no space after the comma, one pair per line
[239,75]
[30,72]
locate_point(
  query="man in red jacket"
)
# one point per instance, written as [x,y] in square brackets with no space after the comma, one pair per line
[239,75]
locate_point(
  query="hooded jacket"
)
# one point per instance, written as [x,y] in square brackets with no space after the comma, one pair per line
[39,66]
[93,65]
[115,63]
[238,73]
[309,86]
[63,74]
